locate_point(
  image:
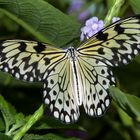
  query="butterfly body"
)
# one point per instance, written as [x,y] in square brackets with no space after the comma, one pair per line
[74,76]
[76,80]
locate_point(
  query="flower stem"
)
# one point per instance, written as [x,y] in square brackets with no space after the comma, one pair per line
[115,9]
[32,120]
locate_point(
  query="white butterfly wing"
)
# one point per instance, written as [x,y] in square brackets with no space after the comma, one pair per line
[116,44]
[35,61]
[28,60]
[59,93]
[97,79]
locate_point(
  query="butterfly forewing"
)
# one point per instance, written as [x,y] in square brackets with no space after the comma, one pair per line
[28,60]
[116,44]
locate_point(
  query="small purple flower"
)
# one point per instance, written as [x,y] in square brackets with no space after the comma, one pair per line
[75,6]
[92,26]
[114,19]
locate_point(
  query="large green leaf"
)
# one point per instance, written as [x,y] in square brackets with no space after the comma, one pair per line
[129,103]
[135,4]
[42,20]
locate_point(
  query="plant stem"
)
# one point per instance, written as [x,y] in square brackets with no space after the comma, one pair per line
[115,9]
[32,120]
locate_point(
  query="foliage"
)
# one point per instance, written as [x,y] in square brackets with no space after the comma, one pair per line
[48,21]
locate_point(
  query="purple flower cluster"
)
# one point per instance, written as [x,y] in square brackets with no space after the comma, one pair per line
[92,26]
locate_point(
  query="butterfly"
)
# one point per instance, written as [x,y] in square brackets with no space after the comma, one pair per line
[74,77]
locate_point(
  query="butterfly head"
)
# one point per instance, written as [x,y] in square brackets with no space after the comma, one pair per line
[72,53]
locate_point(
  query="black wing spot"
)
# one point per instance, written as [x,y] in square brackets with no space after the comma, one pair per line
[90,90]
[51,81]
[67,103]
[101,92]
[69,96]
[97,61]
[39,47]
[54,92]
[101,51]
[72,101]
[94,96]
[22,46]
[107,43]
[102,71]
[88,97]
[102,36]
[119,29]
[60,101]
[72,111]
[47,61]
[104,82]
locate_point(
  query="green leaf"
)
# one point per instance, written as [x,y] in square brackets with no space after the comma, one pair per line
[7,115]
[13,121]
[2,127]
[46,137]
[126,119]
[31,121]
[20,120]
[42,20]
[135,4]
[5,79]
[129,103]
[33,137]
[4,137]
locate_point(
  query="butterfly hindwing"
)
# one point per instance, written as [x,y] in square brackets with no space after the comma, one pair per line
[59,94]
[116,44]
[97,79]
